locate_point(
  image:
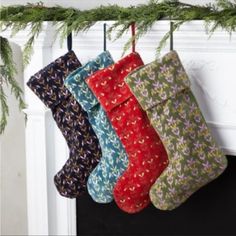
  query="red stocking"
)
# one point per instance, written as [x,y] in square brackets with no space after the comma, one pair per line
[147,156]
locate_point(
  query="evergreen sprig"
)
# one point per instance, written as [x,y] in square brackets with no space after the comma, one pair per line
[7,74]
[222,14]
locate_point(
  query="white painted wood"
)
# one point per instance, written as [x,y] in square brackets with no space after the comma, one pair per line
[46,150]
[209,63]
[36,165]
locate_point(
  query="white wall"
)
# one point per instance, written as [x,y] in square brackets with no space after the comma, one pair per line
[85,4]
[13,166]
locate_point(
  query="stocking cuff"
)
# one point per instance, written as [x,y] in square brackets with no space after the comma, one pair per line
[75,82]
[48,84]
[108,84]
[158,80]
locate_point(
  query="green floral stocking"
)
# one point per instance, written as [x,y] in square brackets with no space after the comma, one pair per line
[163,90]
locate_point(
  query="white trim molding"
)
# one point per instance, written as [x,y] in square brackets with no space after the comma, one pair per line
[36,163]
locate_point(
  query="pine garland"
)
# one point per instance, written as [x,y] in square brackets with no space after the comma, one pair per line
[222,14]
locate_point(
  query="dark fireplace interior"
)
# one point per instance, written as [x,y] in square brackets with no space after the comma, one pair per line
[210,211]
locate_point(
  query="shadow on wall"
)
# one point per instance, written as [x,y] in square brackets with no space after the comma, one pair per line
[13,164]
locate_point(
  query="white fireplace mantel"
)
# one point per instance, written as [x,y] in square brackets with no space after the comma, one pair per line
[210,64]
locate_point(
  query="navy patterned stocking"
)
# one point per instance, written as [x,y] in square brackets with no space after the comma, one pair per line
[72,120]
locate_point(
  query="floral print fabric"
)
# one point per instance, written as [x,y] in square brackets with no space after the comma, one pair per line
[147,156]
[163,90]
[114,159]
[73,122]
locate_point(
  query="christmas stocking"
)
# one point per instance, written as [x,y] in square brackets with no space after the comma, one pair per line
[163,90]
[72,120]
[147,156]
[114,159]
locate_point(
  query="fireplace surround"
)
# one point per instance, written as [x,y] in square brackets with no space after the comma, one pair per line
[210,64]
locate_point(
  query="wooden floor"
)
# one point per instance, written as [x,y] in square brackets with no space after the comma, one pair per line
[210,211]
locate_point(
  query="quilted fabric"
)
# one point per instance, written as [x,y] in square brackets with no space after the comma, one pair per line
[163,90]
[114,159]
[73,122]
[147,156]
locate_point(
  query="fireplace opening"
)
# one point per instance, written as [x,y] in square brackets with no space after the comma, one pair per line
[210,211]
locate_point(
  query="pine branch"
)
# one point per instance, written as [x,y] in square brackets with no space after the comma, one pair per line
[7,73]
[4,110]
[28,48]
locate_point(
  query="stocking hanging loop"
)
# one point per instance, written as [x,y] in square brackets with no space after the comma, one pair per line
[104,37]
[133,36]
[69,41]
[171,36]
